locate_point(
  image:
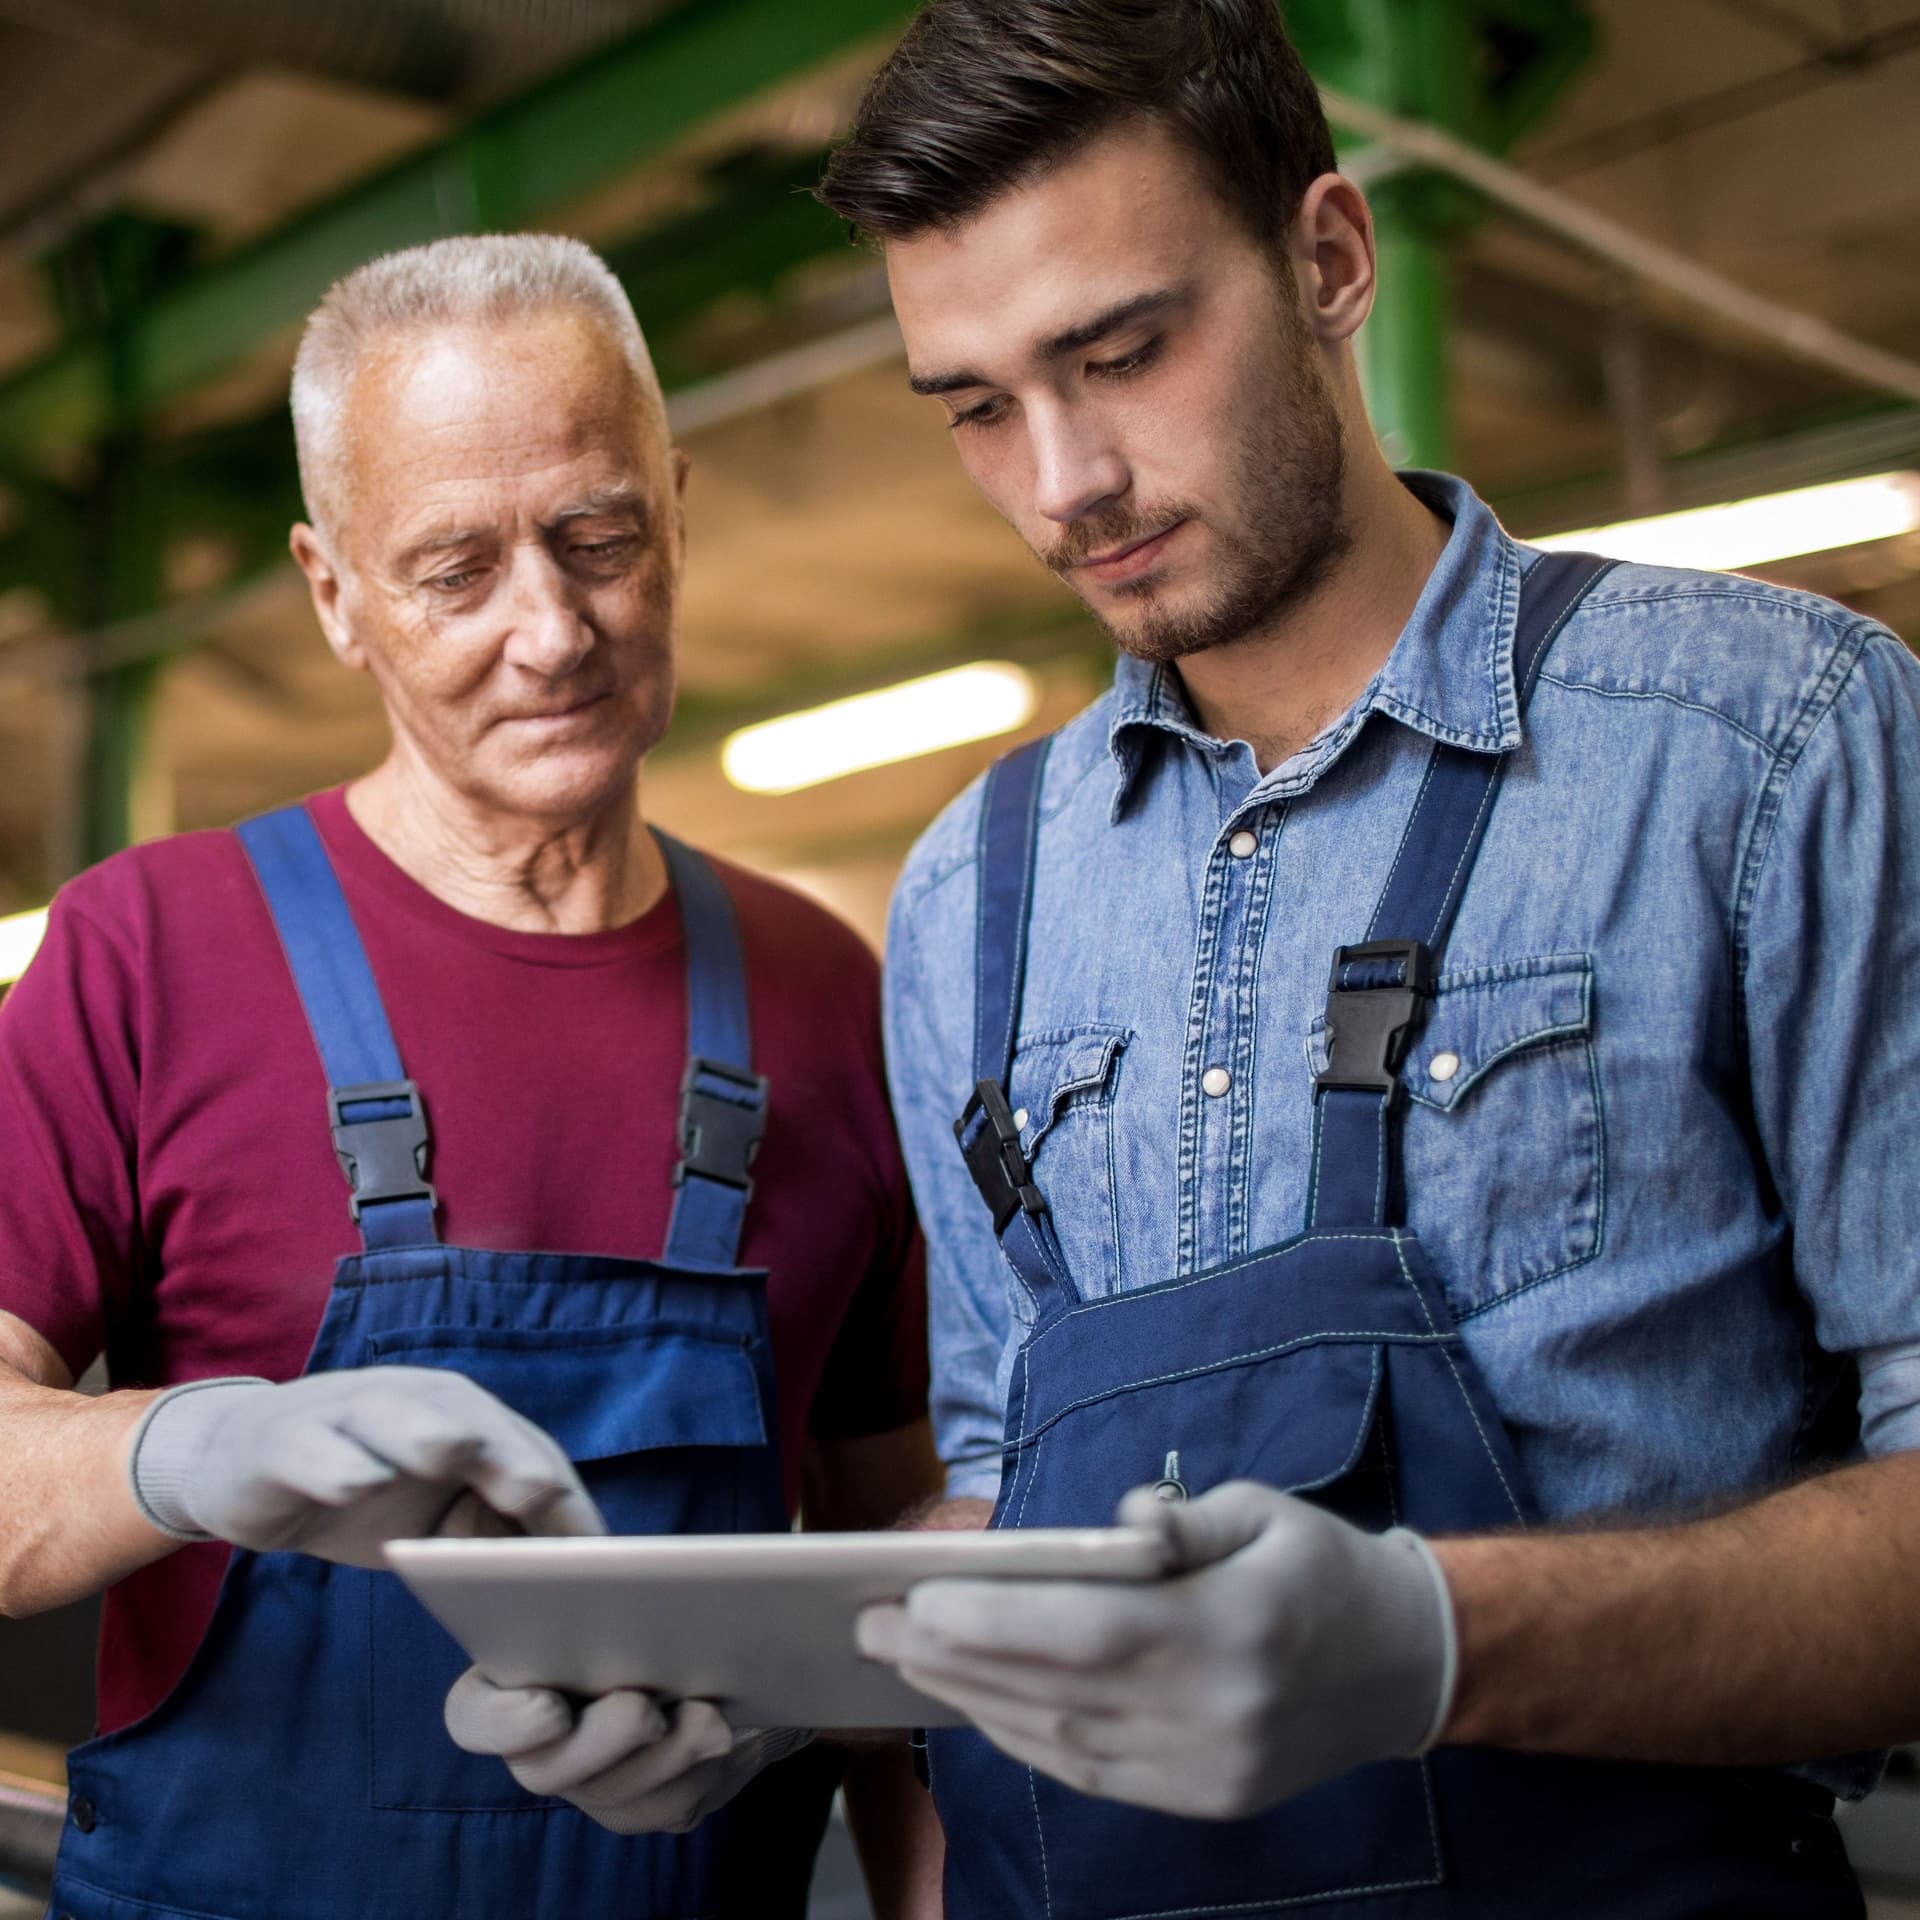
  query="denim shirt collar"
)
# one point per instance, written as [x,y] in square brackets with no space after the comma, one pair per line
[1450,674]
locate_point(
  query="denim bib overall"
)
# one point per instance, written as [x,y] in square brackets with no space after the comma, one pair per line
[300,1770]
[1328,1365]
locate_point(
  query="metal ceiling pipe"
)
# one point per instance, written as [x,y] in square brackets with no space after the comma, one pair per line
[1799,334]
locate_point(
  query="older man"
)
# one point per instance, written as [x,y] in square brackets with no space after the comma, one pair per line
[517,1020]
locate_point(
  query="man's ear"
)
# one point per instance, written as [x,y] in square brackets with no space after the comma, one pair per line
[682,466]
[325,586]
[1333,258]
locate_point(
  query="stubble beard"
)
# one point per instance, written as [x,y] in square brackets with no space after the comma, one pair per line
[1289,469]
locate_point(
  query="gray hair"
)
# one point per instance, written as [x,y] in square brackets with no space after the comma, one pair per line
[469,280]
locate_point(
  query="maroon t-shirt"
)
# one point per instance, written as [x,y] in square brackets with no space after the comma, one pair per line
[172,1197]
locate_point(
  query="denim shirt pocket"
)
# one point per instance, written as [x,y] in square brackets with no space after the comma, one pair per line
[1502,1144]
[1062,1090]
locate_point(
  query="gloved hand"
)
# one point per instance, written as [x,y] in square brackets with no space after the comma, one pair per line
[337,1463]
[623,1760]
[1286,1648]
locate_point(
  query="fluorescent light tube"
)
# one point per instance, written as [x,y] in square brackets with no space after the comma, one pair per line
[20,935]
[877,729]
[1750,533]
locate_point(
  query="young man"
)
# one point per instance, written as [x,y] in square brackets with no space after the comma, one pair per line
[542,1043]
[1575,1194]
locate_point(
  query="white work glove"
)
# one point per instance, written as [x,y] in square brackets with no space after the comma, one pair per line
[1286,1647]
[338,1463]
[623,1760]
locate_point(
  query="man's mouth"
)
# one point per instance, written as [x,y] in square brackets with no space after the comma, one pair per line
[558,715]
[1130,560]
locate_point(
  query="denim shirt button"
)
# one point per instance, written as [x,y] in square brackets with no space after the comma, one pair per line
[1215,1082]
[1243,845]
[1443,1066]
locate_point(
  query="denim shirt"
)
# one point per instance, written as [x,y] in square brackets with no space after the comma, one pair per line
[1658,1134]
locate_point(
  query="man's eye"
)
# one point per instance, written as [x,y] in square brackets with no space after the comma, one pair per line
[1135,362]
[611,549]
[451,583]
[987,414]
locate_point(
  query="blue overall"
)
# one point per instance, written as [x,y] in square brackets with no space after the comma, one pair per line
[300,1770]
[1330,1366]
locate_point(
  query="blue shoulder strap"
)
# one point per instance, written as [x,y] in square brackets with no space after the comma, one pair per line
[377,1117]
[379,1124]
[1379,991]
[723,1102]
[989,1139]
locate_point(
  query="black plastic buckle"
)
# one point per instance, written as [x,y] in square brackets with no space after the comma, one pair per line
[1369,1026]
[993,1156]
[383,1158]
[719,1132]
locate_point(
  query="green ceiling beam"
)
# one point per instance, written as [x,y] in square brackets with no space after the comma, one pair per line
[762,223]
[525,161]
[238,483]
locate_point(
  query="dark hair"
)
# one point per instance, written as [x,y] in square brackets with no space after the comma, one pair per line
[984,95]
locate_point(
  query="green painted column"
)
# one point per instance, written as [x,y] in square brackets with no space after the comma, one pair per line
[1403,346]
[123,792]
[1481,69]
[1411,57]
[103,278]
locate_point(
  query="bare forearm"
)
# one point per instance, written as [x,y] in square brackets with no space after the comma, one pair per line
[851,1486]
[902,1849]
[68,1523]
[951,1516]
[1776,1633]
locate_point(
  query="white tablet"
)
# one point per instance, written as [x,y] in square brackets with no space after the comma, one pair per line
[760,1623]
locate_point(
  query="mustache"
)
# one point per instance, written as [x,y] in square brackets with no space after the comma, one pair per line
[1107,532]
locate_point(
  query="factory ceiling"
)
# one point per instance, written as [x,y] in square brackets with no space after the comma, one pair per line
[834,542]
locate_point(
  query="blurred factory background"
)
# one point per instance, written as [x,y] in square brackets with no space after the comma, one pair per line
[1642,257]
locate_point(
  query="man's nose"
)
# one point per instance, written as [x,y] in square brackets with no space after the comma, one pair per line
[1077,466]
[550,633]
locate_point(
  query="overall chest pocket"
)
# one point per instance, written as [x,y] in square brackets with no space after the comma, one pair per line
[668,1430]
[1062,1089]
[1502,1144]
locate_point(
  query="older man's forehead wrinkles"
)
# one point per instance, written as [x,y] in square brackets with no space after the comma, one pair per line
[618,500]
[440,540]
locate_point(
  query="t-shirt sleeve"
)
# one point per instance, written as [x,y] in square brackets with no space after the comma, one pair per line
[1833,1015]
[69,1100]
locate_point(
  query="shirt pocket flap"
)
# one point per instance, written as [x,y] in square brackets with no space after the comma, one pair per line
[1053,1071]
[1481,1016]
[602,1393]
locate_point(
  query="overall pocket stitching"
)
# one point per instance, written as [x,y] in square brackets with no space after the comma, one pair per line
[1345,1336]
[1294,1899]
[1473,1413]
[1284,1251]
[1040,1834]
